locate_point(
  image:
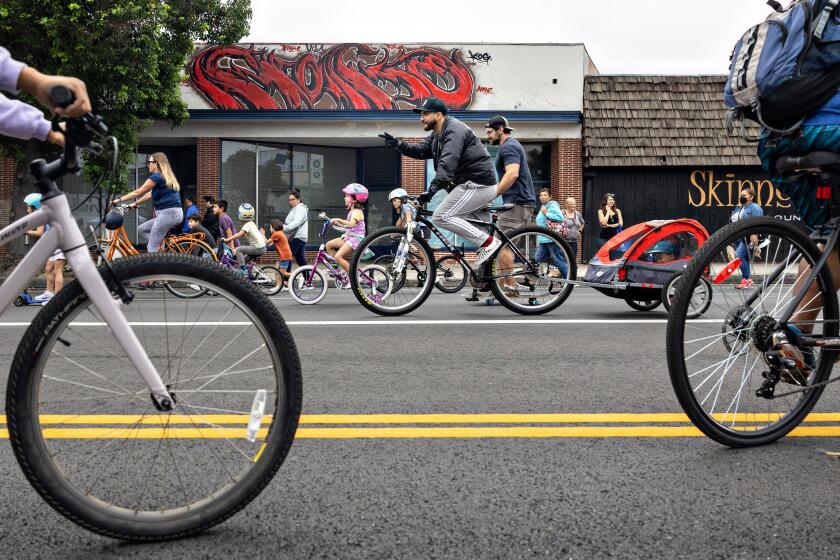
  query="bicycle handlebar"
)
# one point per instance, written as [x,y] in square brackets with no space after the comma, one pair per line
[82,132]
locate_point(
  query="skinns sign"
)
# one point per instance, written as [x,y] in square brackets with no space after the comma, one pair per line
[355,76]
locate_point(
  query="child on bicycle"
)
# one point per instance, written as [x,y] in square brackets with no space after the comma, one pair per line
[407,211]
[355,195]
[194,223]
[254,240]
[281,244]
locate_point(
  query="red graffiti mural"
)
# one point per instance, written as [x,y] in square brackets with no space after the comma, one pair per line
[344,76]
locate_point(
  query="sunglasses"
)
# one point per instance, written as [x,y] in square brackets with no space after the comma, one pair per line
[151,161]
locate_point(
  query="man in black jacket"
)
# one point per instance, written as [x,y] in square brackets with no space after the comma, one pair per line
[462,167]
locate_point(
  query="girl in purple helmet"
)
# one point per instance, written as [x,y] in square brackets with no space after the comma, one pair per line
[355,196]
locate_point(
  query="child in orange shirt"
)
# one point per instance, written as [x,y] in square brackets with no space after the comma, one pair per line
[284,252]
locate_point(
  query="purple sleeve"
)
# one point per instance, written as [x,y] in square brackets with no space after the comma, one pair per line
[18,119]
[10,70]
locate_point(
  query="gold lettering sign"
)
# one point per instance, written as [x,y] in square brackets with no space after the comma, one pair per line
[707,188]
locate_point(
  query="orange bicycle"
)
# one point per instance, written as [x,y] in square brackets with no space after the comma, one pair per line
[118,245]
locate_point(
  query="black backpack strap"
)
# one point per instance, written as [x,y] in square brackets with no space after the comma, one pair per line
[827,10]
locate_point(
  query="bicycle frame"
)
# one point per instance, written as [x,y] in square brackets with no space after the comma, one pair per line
[64,233]
[457,252]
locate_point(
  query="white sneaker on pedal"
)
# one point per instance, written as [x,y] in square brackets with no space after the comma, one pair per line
[486,252]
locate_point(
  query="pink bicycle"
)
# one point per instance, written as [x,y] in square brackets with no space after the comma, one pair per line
[308,284]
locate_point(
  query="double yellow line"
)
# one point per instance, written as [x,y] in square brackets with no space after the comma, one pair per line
[410,426]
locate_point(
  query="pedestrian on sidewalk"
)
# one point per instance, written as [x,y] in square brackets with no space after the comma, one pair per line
[610,218]
[296,227]
[744,248]
[550,215]
[574,225]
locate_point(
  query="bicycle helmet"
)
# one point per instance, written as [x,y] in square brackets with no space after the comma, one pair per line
[245,212]
[33,200]
[665,246]
[358,192]
[113,220]
[397,193]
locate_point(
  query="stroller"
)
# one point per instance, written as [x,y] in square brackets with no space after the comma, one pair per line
[643,263]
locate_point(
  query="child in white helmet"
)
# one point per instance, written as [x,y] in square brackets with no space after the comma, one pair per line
[355,196]
[254,243]
[55,264]
[407,211]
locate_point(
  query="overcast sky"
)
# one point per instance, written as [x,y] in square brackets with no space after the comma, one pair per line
[622,36]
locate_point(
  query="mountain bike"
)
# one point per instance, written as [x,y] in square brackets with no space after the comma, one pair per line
[751,368]
[525,286]
[308,284]
[143,418]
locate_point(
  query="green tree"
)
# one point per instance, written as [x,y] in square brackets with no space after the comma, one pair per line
[130,53]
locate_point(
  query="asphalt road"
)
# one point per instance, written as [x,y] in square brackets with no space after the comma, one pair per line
[488,486]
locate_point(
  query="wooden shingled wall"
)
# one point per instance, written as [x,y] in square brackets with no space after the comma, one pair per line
[659,121]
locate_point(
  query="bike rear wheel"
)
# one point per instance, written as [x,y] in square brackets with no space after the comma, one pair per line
[411,280]
[534,280]
[719,365]
[451,273]
[88,437]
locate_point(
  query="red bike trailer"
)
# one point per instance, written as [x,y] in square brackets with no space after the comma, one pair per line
[642,264]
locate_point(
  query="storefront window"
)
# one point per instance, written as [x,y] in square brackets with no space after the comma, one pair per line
[539,162]
[265,174]
[239,175]
[274,179]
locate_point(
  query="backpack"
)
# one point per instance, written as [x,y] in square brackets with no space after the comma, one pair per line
[785,68]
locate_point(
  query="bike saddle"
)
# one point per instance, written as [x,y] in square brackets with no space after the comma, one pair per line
[500,208]
[811,161]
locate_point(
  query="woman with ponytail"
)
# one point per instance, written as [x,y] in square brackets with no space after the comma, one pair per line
[163,188]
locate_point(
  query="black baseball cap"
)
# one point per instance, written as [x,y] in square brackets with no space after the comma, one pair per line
[498,121]
[433,105]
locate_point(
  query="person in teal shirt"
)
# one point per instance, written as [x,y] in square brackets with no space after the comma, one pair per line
[546,247]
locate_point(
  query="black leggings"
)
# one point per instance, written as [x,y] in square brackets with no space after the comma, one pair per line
[298,247]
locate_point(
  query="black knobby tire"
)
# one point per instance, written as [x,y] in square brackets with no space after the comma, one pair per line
[675,336]
[51,483]
[450,261]
[425,287]
[557,296]
[643,304]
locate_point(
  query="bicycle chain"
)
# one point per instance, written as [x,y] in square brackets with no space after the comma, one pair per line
[808,388]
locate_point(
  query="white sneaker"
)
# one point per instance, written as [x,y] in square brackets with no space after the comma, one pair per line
[486,252]
[46,296]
